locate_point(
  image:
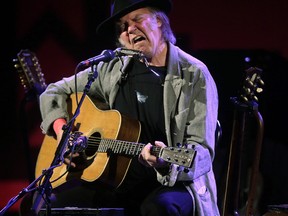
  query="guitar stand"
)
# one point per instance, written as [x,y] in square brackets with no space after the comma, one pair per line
[43,190]
[243,175]
[232,199]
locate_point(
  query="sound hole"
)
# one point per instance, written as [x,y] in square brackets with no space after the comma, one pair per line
[93,144]
[87,156]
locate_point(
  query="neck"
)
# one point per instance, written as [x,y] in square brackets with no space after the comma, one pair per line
[159,59]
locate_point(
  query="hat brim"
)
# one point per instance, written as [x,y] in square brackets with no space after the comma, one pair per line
[108,25]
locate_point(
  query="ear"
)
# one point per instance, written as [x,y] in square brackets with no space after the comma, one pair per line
[159,22]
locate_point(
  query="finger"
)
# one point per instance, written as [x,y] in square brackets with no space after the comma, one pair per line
[143,161]
[160,144]
[69,162]
[74,155]
[145,153]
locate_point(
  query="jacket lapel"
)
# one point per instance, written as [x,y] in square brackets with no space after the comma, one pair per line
[172,88]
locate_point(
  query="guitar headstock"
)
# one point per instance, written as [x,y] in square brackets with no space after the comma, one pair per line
[252,85]
[30,73]
[178,155]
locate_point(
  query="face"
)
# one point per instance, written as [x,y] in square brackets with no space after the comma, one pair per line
[141,30]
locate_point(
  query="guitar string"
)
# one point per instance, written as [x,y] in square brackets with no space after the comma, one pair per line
[94,143]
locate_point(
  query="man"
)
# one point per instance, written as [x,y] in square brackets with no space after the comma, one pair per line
[171,94]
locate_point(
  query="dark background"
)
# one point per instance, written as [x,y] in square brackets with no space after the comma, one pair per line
[221,34]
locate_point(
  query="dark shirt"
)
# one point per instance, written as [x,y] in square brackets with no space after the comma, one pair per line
[140,97]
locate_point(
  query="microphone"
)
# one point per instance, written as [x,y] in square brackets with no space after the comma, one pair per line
[108,55]
[128,52]
[105,56]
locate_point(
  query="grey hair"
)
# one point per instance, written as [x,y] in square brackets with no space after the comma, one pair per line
[167,32]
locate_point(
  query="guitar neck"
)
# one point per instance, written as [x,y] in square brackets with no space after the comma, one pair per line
[176,155]
[124,147]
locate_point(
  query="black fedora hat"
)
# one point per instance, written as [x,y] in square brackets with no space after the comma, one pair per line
[120,8]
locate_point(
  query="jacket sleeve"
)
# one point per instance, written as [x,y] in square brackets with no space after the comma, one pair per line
[53,101]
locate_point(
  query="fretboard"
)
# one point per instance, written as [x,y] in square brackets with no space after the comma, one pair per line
[124,147]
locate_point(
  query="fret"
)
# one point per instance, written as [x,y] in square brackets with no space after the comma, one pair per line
[126,147]
[101,146]
[110,146]
[121,150]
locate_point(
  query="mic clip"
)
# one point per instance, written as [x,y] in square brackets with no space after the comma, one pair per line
[77,142]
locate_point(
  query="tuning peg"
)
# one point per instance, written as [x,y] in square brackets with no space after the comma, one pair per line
[244,98]
[250,83]
[260,81]
[17,65]
[247,90]
[255,98]
[259,90]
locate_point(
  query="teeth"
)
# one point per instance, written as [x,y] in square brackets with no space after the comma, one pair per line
[136,38]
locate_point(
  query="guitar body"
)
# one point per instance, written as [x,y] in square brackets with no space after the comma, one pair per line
[100,166]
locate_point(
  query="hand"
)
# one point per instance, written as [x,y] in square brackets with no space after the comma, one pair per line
[68,158]
[150,160]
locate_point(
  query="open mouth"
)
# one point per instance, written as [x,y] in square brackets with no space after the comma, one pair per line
[138,39]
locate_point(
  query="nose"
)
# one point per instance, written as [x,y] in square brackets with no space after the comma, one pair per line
[131,29]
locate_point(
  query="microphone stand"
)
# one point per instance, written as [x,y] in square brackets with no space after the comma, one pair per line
[44,190]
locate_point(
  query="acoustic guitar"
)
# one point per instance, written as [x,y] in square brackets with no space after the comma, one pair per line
[111,144]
